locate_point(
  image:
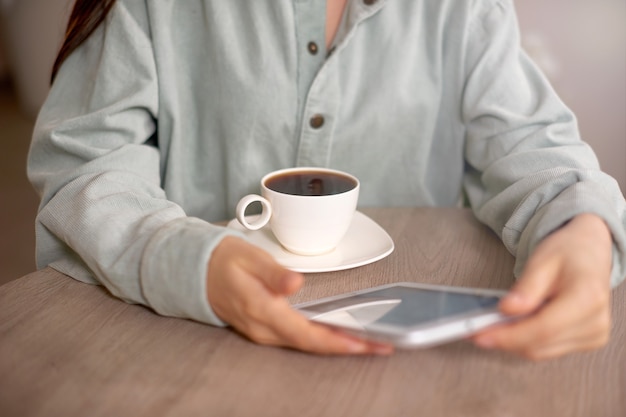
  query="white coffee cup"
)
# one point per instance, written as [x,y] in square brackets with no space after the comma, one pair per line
[309,209]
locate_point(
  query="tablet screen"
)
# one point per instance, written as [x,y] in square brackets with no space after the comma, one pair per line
[400,306]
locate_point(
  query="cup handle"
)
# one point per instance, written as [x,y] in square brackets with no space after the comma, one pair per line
[266,212]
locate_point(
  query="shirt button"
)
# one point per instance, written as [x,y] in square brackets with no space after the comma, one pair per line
[316,121]
[369,2]
[312,47]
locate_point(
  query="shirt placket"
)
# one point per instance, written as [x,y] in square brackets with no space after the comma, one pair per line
[318,82]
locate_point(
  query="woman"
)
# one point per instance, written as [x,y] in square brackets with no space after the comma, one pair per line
[162,115]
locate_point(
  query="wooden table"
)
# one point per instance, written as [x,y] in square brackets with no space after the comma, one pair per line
[71,349]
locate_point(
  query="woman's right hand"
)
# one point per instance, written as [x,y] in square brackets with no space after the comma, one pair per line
[247,289]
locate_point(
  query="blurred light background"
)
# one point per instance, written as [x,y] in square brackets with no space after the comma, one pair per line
[580,45]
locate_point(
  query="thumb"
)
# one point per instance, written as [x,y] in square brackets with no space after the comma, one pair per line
[276,278]
[261,265]
[283,281]
[532,289]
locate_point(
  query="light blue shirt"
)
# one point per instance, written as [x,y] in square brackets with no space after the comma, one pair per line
[173,110]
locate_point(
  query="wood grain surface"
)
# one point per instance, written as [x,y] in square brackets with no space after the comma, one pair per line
[71,349]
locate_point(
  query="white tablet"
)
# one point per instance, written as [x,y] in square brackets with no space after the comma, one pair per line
[409,315]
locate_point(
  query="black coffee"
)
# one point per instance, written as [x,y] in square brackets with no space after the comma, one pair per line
[310,183]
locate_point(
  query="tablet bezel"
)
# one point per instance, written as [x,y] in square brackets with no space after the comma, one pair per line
[442,330]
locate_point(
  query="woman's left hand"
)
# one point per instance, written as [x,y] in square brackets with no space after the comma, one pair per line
[565,287]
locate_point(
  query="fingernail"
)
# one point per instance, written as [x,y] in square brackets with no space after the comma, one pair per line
[355,346]
[291,283]
[485,342]
[516,301]
[515,298]
[383,349]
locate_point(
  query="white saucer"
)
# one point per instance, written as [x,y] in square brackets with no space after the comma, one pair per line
[364,243]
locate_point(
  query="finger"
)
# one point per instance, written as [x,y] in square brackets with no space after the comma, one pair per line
[320,339]
[547,324]
[342,343]
[296,331]
[565,321]
[274,276]
[580,344]
[533,288]
[317,338]
[560,347]
[292,330]
[576,344]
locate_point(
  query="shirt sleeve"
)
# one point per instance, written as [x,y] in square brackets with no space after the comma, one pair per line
[104,217]
[528,172]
